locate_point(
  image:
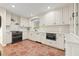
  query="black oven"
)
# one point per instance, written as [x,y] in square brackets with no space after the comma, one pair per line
[51,36]
[16,36]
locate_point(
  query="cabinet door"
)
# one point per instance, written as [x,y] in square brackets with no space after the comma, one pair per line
[14,19]
[8,18]
[25,35]
[58,16]
[18,20]
[23,22]
[67,14]
[8,37]
[60,41]
[32,35]
[50,18]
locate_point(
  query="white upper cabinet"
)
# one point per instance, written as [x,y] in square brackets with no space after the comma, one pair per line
[52,18]
[67,14]
[8,18]
[24,22]
[12,19]
[49,18]
[66,17]
[58,16]
[15,19]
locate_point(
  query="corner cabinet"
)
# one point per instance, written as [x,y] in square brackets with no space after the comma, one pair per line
[23,22]
[25,35]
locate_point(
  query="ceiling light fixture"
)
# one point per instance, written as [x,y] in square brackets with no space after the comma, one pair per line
[13,6]
[48,7]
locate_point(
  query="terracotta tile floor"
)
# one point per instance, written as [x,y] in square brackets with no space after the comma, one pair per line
[30,48]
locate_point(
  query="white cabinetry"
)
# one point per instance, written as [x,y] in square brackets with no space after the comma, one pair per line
[72,49]
[8,18]
[25,35]
[67,14]
[8,37]
[60,41]
[58,16]
[24,22]
[71,45]
[32,35]
[16,19]
[52,18]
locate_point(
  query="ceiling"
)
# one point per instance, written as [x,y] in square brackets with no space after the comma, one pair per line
[30,9]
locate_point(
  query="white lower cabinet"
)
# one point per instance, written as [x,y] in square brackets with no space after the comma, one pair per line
[36,36]
[8,37]
[72,49]
[60,41]
[25,35]
[51,43]
[41,37]
[32,35]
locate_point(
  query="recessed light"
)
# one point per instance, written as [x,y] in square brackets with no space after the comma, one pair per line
[31,14]
[13,6]
[48,7]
